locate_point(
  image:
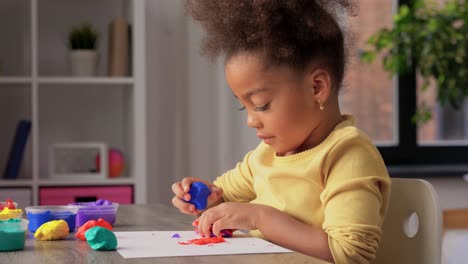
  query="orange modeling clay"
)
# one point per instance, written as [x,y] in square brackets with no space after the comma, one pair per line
[203,241]
[90,224]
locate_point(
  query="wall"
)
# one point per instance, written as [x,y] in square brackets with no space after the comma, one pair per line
[194,128]
[452,191]
[164,81]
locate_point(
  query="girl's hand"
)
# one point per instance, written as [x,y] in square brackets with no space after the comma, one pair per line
[229,215]
[181,190]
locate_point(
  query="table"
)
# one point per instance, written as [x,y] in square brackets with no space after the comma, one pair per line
[135,218]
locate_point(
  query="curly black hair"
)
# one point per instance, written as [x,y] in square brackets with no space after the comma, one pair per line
[291,32]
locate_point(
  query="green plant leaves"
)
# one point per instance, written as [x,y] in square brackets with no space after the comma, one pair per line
[83,36]
[431,39]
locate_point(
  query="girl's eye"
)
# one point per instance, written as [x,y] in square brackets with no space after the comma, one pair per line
[262,108]
[257,108]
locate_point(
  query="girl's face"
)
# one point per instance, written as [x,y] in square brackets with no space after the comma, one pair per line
[281,103]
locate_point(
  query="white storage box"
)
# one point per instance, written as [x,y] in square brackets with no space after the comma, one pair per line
[77,160]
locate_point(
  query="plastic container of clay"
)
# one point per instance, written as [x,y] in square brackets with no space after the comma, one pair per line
[13,234]
[5,204]
[95,210]
[6,213]
[38,215]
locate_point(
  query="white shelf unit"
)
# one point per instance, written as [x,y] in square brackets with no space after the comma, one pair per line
[35,84]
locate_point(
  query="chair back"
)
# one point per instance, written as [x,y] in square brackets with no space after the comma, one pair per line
[412,230]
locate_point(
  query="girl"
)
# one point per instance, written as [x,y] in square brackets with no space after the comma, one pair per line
[315,184]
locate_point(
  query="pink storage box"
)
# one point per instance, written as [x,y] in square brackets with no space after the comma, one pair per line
[66,195]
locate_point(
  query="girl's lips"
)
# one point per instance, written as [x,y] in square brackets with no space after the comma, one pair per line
[266,139]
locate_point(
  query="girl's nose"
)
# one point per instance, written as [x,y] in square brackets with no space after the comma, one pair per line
[253,121]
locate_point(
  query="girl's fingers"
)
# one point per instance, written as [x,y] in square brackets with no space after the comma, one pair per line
[216,193]
[186,182]
[215,190]
[181,189]
[204,227]
[218,226]
[177,189]
[206,221]
[183,206]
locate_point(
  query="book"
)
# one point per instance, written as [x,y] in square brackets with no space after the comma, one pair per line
[118,48]
[17,150]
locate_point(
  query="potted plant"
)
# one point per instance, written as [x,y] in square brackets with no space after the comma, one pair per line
[433,40]
[82,41]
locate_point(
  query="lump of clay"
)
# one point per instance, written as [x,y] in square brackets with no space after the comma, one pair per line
[102,202]
[53,230]
[8,204]
[7,213]
[100,238]
[90,224]
[199,193]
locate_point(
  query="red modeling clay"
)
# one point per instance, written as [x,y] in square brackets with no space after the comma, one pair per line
[203,241]
[10,204]
[90,224]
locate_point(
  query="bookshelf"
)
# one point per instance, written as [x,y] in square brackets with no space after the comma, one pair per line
[36,84]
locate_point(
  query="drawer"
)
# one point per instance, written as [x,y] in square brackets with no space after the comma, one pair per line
[66,195]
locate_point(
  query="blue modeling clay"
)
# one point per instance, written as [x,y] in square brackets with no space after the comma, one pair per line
[199,193]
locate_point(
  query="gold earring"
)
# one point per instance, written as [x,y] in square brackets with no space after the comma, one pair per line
[321,106]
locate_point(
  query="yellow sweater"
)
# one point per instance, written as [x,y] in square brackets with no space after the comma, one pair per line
[341,186]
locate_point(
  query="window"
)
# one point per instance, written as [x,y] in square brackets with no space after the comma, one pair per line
[384,107]
[368,91]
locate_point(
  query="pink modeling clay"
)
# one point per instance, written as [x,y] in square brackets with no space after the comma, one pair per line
[90,224]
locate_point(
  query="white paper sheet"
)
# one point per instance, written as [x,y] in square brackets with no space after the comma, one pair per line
[147,244]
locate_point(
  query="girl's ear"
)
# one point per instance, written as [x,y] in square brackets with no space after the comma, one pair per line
[319,81]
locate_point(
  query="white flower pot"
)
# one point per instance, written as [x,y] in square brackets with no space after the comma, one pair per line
[83,62]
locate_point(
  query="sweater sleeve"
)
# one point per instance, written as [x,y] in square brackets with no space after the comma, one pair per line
[237,183]
[355,200]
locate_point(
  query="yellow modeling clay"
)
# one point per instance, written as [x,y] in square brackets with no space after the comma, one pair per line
[53,230]
[7,213]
